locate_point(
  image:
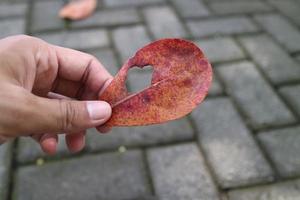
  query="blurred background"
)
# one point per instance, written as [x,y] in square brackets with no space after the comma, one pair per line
[241,143]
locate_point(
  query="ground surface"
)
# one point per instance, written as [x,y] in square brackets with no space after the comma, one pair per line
[242,143]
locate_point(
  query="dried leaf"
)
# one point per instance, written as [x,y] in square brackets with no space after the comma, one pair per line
[78,9]
[180,81]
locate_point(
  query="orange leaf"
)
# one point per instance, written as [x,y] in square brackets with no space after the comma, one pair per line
[180,81]
[78,9]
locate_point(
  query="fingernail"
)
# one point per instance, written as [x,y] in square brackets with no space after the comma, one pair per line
[98,110]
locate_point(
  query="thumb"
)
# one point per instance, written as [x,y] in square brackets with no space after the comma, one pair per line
[69,115]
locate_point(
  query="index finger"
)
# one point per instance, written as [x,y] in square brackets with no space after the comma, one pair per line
[81,71]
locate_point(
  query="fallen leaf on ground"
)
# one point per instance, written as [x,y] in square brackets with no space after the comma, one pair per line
[78,9]
[180,81]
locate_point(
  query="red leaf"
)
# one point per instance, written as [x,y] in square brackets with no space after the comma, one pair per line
[180,81]
[78,9]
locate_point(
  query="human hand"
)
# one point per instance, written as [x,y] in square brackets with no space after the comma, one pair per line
[40,88]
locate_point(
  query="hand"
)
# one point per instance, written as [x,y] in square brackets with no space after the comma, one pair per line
[40,85]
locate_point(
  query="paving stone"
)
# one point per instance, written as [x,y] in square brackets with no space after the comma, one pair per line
[139,79]
[282,30]
[85,39]
[216,87]
[229,143]
[289,8]
[221,49]
[116,3]
[174,131]
[239,7]
[29,150]
[163,22]
[279,191]
[13,10]
[191,8]
[111,176]
[129,39]
[274,61]
[45,16]
[292,95]
[107,59]
[5,160]
[115,17]
[283,148]
[257,100]
[10,27]
[222,26]
[179,172]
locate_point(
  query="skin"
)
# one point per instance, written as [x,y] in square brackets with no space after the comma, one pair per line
[47,90]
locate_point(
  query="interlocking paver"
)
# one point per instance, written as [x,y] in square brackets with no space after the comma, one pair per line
[283,147]
[273,60]
[222,26]
[139,79]
[227,141]
[255,97]
[175,131]
[13,10]
[221,49]
[163,22]
[129,39]
[84,39]
[29,150]
[179,172]
[116,3]
[280,191]
[5,160]
[191,8]
[239,7]
[45,16]
[10,27]
[216,87]
[107,59]
[290,8]
[292,95]
[107,176]
[281,29]
[115,17]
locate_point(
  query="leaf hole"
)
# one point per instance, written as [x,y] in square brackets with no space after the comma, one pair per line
[139,78]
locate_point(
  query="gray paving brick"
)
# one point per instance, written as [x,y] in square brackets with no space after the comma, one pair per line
[13,10]
[281,29]
[174,131]
[139,79]
[274,61]
[5,160]
[227,141]
[107,59]
[179,172]
[191,8]
[283,147]
[222,26]
[163,22]
[85,39]
[289,8]
[220,49]
[106,18]
[279,191]
[255,97]
[29,150]
[216,87]
[239,7]
[10,27]
[108,176]
[292,95]
[45,16]
[129,39]
[116,3]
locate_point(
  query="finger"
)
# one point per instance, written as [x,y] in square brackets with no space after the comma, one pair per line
[49,143]
[103,129]
[81,67]
[75,141]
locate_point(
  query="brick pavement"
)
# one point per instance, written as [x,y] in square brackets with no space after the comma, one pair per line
[242,143]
